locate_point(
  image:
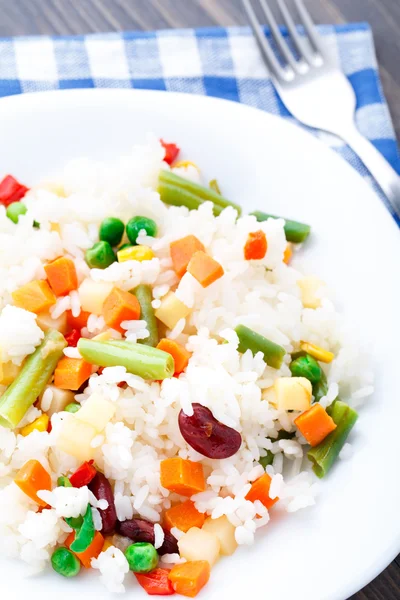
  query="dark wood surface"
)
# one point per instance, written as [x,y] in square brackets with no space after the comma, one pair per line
[23,17]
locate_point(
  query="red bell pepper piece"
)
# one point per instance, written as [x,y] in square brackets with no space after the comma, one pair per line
[156,583]
[73,337]
[83,475]
[171,152]
[11,190]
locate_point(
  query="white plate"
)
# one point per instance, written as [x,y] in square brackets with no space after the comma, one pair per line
[330,551]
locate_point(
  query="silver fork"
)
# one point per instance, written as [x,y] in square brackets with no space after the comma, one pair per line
[315,90]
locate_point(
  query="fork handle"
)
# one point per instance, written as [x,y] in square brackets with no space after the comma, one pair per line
[383,173]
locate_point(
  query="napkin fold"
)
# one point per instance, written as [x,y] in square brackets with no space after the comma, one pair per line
[217,62]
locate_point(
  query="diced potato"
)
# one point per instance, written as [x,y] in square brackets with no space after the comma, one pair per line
[171,310]
[293,393]
[97,412]
[225,532]
[75,438]
[8,372]
[46,321]
[269,395]
[92,295]
[309,287]
[198,544]
[60,399]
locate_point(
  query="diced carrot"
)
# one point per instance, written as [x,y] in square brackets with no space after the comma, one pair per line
[182,476]
[70,373]
[77,322]
[315,424]
[31,478]
[92,552]
[260,491]
[204,268]
[256,245]
[287,255]
[182,251]
[190,577]
[120,306]
[179,353]
[184,516]
[35,296]
[61,274]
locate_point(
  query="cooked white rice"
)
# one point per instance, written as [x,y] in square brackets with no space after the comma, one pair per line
[145,428]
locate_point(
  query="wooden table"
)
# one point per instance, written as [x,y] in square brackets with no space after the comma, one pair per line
[22,17]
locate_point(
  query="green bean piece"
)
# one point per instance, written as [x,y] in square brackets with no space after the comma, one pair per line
[137,224]
[250,340]
[65,562]
[306,366]
[32,379]
[179,191]
[294,231]
[111,231]
[285,435]
[320,389]
[14,210]
[100,256]
[214,186]
[72,407]
[324,455]
[267,459]
[74,522]
[145,296]
[63,481]
[85,534]
[142,557]
[145,361]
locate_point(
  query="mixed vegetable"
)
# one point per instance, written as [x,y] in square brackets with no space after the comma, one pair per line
[155,357]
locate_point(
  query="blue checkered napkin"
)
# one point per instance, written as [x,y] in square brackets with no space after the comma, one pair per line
[215,62]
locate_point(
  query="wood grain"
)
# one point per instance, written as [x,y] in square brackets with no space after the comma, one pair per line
[24,17]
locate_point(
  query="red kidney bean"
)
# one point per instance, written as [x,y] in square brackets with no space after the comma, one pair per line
[140,530]
[207,435]
[101,488]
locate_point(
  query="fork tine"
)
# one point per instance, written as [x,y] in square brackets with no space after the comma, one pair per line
[310,28]
[301,47]
[280,42]
[266,50]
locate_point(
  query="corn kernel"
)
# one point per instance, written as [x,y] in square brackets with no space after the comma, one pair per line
[318,353]
[183,164]
[139,253]
[309,288]
[107,544]
[40,424]
[171,310]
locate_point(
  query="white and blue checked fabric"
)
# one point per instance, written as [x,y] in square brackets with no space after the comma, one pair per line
[215,62]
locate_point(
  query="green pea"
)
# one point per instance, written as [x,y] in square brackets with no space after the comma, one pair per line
[100,256]
[65,562]
[14,211]
[124,246]
[63,481]
[111,231]
[142,557]
[135,226]
[72,407]
[306,366]
[267,459]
